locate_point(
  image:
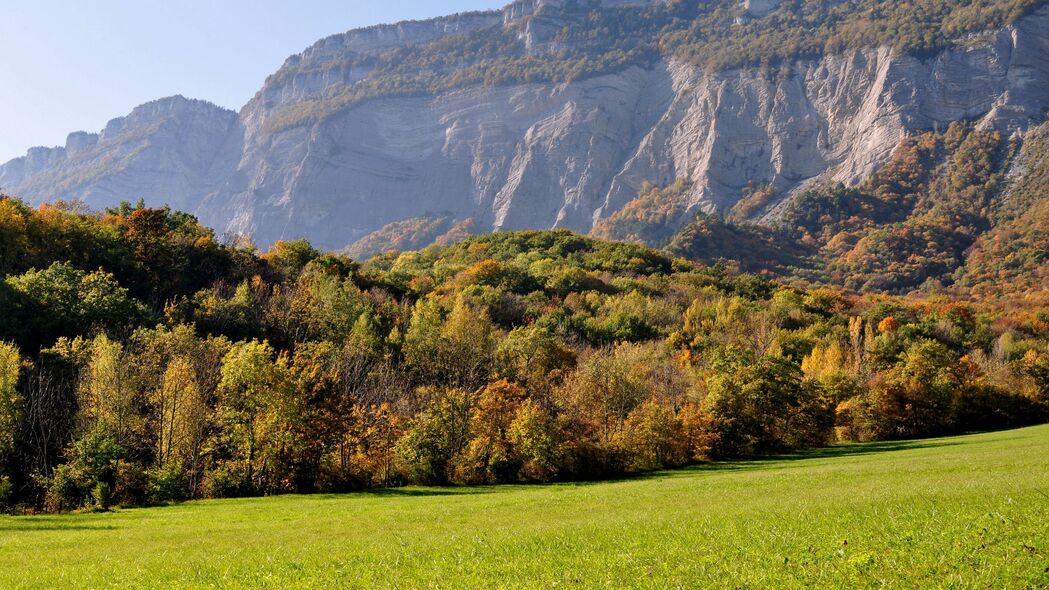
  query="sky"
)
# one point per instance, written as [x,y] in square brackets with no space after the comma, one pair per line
[72,65]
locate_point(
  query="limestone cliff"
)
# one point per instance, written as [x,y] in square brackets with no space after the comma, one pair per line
[532,155]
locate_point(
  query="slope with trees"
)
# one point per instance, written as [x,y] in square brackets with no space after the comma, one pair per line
[130,377]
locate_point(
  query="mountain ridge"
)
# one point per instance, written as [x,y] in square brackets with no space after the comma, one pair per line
[546,153]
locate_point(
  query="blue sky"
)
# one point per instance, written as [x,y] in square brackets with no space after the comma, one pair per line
[69,65]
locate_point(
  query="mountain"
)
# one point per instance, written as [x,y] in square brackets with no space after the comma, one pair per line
[558,113]
[170,151]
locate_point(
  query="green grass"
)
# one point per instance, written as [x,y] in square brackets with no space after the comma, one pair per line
[967,512]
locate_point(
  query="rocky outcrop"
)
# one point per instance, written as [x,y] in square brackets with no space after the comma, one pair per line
[760,8]
[534,155]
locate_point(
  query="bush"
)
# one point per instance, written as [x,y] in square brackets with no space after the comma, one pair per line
[982,407]
[89,478]
[166,484]
[227,481]
[66,489]
[101,496]
[130,486]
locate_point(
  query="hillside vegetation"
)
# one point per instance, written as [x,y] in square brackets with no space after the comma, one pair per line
[960,212]
[147,362]
[411,234]
[965,512]
[1015,252]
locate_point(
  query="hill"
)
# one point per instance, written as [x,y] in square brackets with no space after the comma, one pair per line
[961,512]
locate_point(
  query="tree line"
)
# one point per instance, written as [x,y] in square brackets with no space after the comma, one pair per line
[146,361]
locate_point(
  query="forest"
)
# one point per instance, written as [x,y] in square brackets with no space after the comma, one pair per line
[145,361]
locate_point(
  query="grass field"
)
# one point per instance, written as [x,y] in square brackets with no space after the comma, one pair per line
[968,512]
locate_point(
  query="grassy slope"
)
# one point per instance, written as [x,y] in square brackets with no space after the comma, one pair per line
[959,513]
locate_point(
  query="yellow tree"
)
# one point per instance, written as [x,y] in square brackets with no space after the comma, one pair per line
[856,341]
[107,393]
[182,415]
[825,360]
[367,451]
[10,401]
[652,437]
[490,457]
[467,345]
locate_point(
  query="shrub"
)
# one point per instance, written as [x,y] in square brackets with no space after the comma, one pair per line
[227,480]
[66,489]
[131,485]
[166,484]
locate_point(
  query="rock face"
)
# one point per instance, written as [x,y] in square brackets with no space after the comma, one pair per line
[532,155]
[171,151]
[759,8]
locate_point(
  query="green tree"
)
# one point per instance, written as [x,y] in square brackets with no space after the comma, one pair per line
[537,440]
[533,357]
[436,436]
[289,258]
[89,478]
[64,301]
[422,342]
[765,407]
[249,380]
[457,351]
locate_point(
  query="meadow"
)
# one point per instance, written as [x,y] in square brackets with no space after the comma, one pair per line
[962,512]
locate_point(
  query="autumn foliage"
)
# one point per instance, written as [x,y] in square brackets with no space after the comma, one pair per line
[131,376]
